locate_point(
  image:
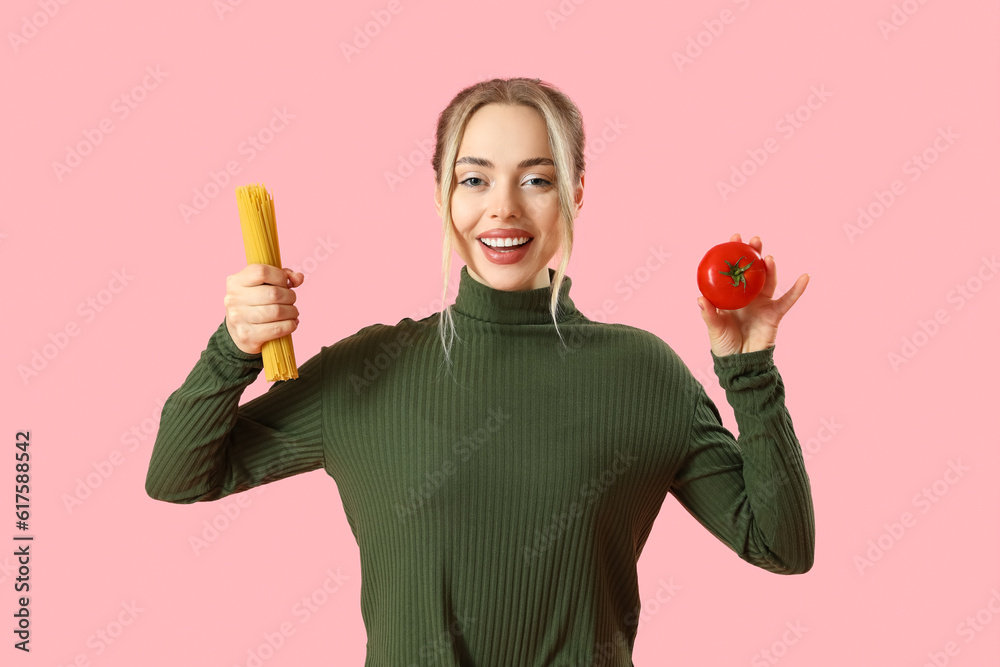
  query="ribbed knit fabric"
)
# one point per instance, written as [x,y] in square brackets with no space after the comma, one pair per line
[500,510]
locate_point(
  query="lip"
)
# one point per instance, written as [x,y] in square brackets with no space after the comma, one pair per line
[505,256]
[511,233]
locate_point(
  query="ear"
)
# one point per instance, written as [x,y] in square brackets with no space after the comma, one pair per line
[578,197]
[437,199]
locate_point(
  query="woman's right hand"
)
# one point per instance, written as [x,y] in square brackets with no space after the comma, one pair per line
[259,305]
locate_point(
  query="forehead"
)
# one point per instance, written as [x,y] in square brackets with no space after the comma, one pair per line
[505,134]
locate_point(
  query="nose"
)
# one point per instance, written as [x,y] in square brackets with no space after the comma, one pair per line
[505,201]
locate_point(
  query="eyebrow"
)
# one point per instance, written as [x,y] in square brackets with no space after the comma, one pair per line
[483,162]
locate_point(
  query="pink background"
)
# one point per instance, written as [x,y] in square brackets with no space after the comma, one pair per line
[670,134]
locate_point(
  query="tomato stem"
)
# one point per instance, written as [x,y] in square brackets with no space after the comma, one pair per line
[736,272]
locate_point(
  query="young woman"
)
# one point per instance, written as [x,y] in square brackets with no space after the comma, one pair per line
[500,507]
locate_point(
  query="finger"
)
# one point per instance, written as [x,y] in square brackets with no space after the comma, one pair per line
[262,295]
[258,334]
[295,277]
[757,244]
[272,312]
[789,298]
[771,280]
[735,238]
[262,274]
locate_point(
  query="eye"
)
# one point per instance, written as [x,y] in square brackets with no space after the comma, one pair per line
[546,182]
[468,182]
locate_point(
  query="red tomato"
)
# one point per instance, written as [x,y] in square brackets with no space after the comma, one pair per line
[731,275]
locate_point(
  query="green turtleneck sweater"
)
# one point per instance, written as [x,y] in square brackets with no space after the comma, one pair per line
[500,509]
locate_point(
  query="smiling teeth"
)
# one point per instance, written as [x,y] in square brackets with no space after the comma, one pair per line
[505,243]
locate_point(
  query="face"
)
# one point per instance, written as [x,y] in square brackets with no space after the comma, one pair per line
[506,187]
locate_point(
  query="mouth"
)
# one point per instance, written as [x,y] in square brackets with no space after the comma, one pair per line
[507,244]
[503,254]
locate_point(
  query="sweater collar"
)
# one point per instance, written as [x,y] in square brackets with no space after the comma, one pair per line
[486,303]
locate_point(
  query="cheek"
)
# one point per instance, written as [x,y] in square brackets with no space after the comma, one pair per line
[461,226]
[553,241]
[462,218]
[553,230]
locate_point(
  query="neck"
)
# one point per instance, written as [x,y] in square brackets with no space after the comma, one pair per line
[541,279]
[480,301]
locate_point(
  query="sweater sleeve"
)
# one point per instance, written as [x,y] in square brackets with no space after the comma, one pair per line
[208,446]
[753,494]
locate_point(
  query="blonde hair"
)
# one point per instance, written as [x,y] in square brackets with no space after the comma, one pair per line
[564,125]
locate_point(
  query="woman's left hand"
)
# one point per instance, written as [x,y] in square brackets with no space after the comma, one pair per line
[755,326]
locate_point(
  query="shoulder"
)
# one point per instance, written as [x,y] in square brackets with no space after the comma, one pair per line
[665,371]
[624,344]
[626,337]
[656,351]
[372,354]
[380,336]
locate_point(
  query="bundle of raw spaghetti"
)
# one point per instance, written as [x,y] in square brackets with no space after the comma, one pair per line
[260,240]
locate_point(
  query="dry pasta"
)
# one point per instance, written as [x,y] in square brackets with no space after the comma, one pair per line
[260,240]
